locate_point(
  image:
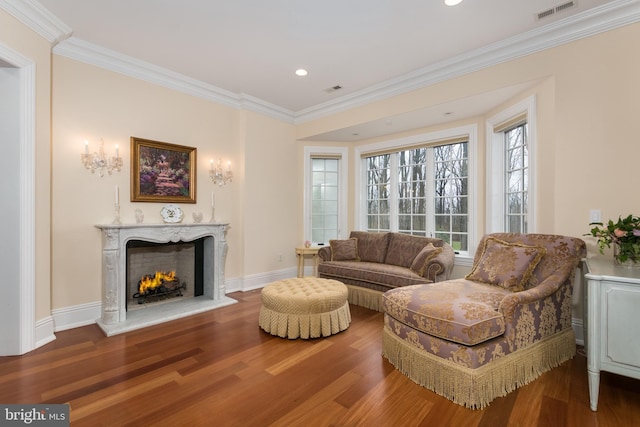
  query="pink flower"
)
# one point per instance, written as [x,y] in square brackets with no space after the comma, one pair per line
[636,232]
[619,233]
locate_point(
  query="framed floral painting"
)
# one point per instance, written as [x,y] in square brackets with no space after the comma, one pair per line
[162,172]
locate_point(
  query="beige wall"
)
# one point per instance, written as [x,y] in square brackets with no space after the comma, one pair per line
[27,43]
[93,103]
[273,194]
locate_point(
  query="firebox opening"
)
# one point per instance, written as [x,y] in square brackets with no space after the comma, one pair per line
[171,270]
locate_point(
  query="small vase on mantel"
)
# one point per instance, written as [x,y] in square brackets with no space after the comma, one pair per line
[629,256]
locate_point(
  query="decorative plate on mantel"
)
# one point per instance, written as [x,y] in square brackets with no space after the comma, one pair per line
[171,213]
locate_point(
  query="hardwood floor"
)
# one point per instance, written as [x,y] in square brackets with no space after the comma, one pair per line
[218,368]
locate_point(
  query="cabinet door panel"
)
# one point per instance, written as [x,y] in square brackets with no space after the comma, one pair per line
[622,320]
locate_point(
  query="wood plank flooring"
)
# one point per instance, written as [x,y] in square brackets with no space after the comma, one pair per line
[219,369]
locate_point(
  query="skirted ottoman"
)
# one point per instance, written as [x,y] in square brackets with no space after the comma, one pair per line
[305,307]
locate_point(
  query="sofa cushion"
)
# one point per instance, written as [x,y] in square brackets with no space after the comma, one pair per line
[403,248]
[362,273]
[424,256]
[457,310]
[344,250]
[372,247]
[504,264]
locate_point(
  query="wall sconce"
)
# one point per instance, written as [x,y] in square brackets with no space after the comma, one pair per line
[98,161]
[218,175]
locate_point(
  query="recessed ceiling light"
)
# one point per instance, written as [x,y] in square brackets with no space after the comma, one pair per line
[452,2]
[301,72]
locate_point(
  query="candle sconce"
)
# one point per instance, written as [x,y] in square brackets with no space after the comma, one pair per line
[98,160]
[218,175]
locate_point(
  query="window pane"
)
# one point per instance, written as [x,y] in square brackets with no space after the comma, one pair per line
[378,177]
[451,190]
[516,179]
[324,199]
[443,223]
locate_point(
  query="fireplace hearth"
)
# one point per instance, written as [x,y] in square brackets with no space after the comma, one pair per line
[196,251]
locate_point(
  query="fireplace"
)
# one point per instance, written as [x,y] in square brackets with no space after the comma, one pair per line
[161,272]
[195,253]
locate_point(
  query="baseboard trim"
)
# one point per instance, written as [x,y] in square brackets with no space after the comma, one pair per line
[44,331]
[578,330]
[257,281]
[76,316]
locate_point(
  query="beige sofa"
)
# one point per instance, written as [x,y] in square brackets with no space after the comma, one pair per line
[373,263]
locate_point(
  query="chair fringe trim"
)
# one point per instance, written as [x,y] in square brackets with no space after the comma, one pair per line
[304,326]
[476,388]
[363,297]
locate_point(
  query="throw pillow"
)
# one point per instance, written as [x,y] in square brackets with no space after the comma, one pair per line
[372,247]
[421,260]
[504,264]
[344,250]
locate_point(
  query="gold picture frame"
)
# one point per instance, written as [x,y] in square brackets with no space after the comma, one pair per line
[162,172]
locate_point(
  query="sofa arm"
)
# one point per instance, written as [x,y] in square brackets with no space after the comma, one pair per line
[548,305]
[324,254]
[439,268]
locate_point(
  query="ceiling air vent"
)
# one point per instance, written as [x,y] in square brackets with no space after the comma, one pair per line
[555,9]
[333,88]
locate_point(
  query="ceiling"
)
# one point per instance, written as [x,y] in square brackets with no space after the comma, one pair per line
[253,47]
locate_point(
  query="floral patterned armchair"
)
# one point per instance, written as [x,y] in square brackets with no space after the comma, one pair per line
[474,339]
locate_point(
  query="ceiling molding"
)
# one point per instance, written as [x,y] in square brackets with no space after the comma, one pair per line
[35,16]
[597,20]
[258,105]
[99,56]
[606,17]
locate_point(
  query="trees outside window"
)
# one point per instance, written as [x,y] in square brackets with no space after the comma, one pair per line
[420,191]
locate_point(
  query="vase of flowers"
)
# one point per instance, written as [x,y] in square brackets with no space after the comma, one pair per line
[624,236]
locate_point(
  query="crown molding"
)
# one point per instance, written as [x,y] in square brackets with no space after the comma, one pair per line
[260,106]
[99,56]
[597,20]
[35,16]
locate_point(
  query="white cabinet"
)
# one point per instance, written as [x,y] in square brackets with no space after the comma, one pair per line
[612,322]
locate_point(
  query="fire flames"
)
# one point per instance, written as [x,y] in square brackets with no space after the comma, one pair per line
[148,283]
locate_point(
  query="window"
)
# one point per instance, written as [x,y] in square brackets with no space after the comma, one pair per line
[325,207]
[324,199]
[516,179]
[510,135]
[378,192]
[451,165]
[421,188]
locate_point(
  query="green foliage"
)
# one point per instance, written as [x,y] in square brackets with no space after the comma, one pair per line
[625,233]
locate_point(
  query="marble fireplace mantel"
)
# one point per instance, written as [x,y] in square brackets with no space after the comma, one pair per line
[115,319]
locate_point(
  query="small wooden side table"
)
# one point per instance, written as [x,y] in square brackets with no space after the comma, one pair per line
[301,252]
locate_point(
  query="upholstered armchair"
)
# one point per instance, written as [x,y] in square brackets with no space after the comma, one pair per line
[474,339]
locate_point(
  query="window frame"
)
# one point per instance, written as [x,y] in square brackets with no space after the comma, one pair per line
[469,132]
[343,174]
[495,199]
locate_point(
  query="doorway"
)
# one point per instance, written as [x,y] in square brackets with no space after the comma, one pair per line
[17,192]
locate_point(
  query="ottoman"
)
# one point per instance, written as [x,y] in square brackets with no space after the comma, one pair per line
[305,307]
